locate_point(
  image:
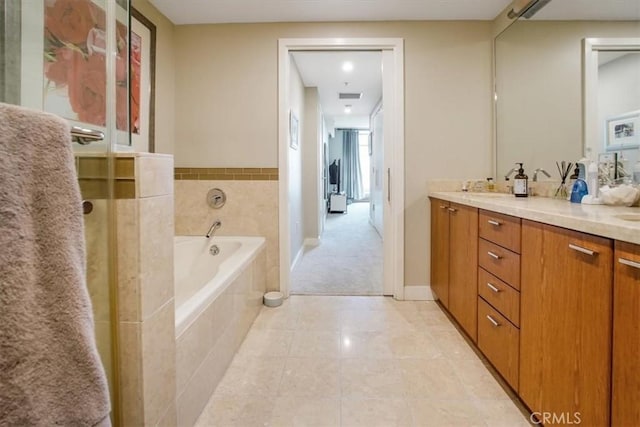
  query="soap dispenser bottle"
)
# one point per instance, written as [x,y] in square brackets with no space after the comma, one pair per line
[521,183]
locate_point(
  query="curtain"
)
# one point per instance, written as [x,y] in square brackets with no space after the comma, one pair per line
[352,176]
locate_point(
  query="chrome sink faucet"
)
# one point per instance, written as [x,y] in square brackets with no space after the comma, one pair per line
[535,174]
[508,174]
[216,224]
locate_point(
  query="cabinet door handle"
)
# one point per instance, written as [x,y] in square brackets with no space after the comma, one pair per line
[629,263]
[492,255]
[453,210]
[443,207]
[493,321]
[493,288]
[582,250]
[494,222]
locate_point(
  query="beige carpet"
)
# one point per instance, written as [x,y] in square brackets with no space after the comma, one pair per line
[348,260]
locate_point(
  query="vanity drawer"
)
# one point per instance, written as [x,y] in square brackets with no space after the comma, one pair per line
[500,262]
[501,229]
[501,296]
[499,341]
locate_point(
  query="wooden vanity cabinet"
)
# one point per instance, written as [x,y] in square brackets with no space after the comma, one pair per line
[498,292]
[454,260]
[625,405]
[565,322]
[440,250]
[463,267]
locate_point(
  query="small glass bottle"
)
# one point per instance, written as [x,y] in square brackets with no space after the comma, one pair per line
[491,187]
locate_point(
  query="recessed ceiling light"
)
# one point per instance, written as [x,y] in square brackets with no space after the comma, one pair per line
[347,67]
[347,109]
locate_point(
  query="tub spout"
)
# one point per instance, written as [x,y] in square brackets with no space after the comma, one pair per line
[216,224]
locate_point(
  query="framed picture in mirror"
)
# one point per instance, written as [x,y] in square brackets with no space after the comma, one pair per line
[622,132]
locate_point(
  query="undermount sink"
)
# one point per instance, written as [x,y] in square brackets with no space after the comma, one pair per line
[628,217]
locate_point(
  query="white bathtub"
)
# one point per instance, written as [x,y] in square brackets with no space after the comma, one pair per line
[217,299]
[199,277]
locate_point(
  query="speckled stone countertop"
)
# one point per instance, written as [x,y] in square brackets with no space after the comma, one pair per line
[601,220]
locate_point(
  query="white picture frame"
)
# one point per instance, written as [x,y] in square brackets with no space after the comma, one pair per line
[622,132]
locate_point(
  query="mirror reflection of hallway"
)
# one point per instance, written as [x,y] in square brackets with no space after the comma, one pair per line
[347,262]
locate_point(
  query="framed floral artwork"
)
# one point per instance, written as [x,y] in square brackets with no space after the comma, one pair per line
[75,80]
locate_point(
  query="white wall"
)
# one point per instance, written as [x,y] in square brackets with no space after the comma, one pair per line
[296,102]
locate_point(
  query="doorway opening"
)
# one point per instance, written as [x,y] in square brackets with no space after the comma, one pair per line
[317,195]
[337,250]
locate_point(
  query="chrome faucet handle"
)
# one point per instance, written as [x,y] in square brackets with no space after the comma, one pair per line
[508,174]
[535,174]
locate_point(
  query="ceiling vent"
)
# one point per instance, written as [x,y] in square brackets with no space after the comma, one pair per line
[343,95]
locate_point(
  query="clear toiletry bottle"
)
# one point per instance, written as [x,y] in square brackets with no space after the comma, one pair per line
[491,186]
[521,183]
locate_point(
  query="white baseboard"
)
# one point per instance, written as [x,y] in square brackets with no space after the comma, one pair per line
[418,293]
[311,241]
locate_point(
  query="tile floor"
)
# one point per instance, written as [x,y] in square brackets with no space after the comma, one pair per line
[357,361]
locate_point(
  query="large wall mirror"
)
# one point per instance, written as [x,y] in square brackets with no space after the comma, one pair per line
[540,84]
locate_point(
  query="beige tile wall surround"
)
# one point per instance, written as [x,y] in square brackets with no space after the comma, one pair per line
[251,210]
[155,176]
[144,233]
[128,259]
[156,254]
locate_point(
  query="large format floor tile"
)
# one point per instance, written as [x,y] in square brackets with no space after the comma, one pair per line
[358,361]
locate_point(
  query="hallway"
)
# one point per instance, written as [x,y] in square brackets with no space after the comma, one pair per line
[348,260]
[357,361]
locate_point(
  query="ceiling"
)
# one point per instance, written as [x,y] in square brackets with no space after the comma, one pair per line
[232,11]
[235,11]
[324,71]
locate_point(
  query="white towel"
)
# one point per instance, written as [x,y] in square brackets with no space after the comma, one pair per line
[50,370]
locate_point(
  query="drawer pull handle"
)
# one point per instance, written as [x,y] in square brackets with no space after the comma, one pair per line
[582,250]
[493,288]
[494,222]
[629,263]
[443,207]
[453,210]
[492,255]
[493,321]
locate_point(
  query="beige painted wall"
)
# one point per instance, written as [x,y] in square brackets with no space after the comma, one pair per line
[165,76]
[227,98]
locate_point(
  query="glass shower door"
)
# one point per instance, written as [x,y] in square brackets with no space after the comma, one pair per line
[70,58]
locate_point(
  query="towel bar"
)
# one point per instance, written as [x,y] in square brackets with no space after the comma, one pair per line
[84,136]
